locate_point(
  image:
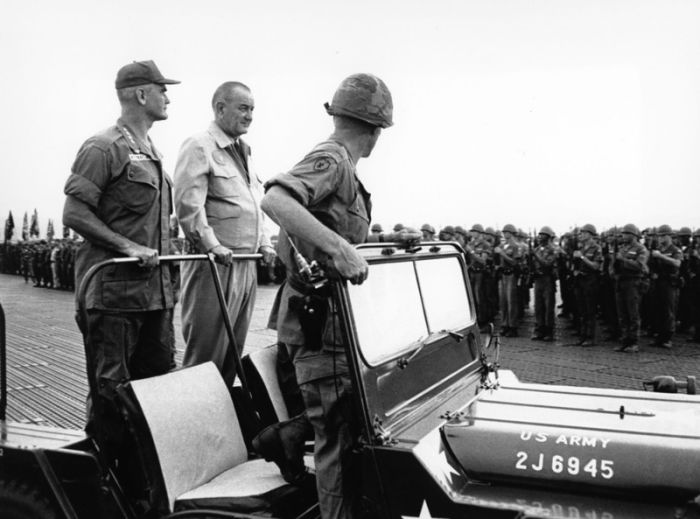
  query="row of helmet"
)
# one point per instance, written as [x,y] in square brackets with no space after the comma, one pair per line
[629,228]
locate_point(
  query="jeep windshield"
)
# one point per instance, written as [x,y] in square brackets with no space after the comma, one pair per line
[408,303]
[412,330]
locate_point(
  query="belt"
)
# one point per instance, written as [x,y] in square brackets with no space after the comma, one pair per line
[307,289]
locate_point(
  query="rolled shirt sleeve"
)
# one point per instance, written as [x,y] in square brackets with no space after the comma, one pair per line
[89,175]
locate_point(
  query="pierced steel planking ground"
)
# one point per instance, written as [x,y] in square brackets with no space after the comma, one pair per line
[47,385]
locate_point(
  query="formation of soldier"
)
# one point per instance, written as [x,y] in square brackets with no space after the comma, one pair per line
[46,263]
[636,283]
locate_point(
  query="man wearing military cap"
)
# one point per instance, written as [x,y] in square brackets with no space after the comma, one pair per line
[428,232]
[630,267]
[665,263]
[118,197]
[311,204]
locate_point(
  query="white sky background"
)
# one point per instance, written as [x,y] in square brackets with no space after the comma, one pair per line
[532,112]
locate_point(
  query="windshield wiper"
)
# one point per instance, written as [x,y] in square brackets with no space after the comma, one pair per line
[403,362]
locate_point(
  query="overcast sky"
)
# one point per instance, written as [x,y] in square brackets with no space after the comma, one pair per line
[535,112]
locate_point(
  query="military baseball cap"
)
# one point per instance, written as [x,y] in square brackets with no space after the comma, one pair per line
[141,73]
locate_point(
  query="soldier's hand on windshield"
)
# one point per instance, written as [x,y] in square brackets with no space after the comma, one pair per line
[407,236]
[350,265]
[222,254]
[268,254]
[147,257]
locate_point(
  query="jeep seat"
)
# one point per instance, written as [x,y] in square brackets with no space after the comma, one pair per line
[260,369]
[186,423]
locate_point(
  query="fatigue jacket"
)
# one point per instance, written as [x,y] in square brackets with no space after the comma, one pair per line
[123,182]
[325,182]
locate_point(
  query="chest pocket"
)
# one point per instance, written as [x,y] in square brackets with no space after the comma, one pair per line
[358,219]
[224,183]
[139,191]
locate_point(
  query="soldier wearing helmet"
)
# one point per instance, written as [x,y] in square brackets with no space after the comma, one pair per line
[630,267]
[478,252]
[544,259]
[490,274]
[461,235]
[588,261]
[476,232]
[324,209]
[665,264]
[447,233]
[607,289]
[684,300]
[693,273]
[428,232]
[377,228]
[510,258]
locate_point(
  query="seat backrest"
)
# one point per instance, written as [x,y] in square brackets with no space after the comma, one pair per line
[261,372]
[193,425]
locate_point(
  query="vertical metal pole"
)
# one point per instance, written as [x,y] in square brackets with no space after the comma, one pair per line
[3,366]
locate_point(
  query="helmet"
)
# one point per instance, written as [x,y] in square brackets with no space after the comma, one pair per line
[664,230]
[630,228]
[448,229]
[427,228]
[684,231]
[490,231]
[696,232]
[509,227]
[398,227]
[589,228]
[377,228]
[364,97]
[460,230]
[548,231]
[477,227]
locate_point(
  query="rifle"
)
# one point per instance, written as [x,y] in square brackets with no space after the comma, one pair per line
[530,261]
[616,249]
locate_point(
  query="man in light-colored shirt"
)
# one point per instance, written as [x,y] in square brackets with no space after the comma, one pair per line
[217,199]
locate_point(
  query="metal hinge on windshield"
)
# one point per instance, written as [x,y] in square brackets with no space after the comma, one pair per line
[380,434]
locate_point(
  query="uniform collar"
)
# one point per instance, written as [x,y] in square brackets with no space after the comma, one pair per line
[221,138]
[135,144]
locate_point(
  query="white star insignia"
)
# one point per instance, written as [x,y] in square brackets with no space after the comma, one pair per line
[445,468]
[424,513]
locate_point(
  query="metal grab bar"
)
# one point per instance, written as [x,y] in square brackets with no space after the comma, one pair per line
[3,366]
[231,351]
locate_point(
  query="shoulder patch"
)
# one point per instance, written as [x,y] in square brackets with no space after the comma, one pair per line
[322,164]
